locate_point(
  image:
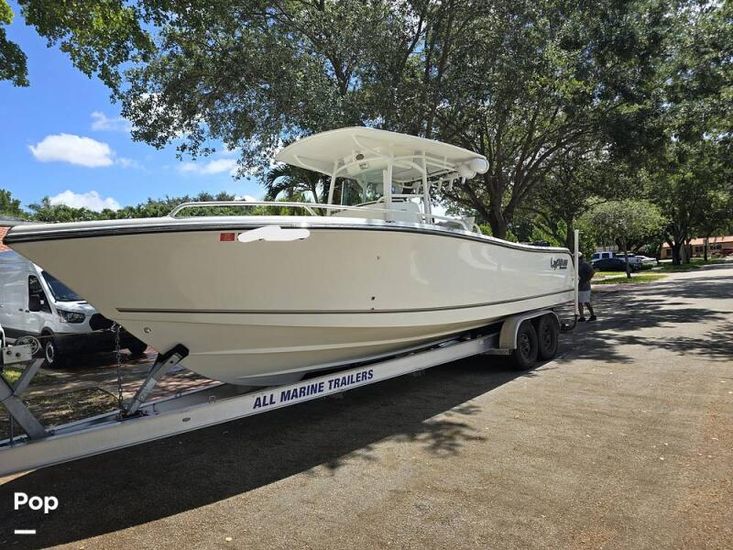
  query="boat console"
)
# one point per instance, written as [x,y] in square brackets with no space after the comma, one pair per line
[376,175]
[390,175]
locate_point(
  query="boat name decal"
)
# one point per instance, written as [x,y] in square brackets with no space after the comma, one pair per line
[558,263]
[335,383]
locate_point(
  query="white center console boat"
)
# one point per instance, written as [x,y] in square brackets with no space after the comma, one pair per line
[257,300]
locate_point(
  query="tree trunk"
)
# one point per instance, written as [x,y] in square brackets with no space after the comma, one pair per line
[626,256]
[676,259]
[686,252]
[570,237]
[705,250]
[498,224]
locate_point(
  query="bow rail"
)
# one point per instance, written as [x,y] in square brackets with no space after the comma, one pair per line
[311,208]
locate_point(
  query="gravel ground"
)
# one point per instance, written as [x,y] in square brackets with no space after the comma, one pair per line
[625,441]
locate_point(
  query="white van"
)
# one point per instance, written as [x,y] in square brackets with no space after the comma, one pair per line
[33,302]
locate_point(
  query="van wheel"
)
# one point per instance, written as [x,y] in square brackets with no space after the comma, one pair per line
[54,359]
[525,355]
[548,332]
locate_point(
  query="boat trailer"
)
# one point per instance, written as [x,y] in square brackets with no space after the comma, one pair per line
[140,421]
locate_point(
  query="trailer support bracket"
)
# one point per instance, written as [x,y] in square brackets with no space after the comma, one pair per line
[164,363]
[10,398]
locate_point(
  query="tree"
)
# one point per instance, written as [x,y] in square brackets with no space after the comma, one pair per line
[154,208]
[570,188]
[293,181]
[560,81]
[12,59]
[694,169]
[10,206]
[623,221]
[44,211]
[691,186]
[524,83]
[98,35]
[717,218]
[528,84]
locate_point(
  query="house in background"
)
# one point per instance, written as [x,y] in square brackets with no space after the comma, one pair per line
[717,246]
[6,222]
[3,231]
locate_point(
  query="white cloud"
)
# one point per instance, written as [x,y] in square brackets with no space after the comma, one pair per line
[91,200]
[216,166]
[247,198]
[127,163]
[188,167]
[82,151]
[102,122]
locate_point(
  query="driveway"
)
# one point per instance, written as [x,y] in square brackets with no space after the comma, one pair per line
[625,441]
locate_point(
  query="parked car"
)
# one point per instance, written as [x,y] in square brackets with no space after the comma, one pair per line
[634,260]
[613,264]
[647,261]
[601,255]
[34,302]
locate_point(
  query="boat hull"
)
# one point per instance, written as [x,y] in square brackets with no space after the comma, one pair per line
[262,312]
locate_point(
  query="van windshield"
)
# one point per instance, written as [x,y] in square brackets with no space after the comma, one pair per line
[60,291]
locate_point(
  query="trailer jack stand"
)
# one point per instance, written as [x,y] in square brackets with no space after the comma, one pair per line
[163,364]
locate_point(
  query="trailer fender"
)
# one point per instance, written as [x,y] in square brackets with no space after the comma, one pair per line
[510,327]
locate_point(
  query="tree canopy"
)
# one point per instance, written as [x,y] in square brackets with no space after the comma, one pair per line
[622,222]
[558,94]
[12,59]
[10,206]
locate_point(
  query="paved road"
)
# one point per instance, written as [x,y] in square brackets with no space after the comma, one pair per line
[626,441]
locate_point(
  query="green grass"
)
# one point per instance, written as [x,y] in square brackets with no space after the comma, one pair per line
[694,264]
[636,278]
[12,374]
[600,274]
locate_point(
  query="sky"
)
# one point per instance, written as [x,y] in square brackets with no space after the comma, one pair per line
[63,138]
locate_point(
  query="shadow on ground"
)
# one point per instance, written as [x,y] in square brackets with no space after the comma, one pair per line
[131,487]
[697,286]
[624,313]
[141,484]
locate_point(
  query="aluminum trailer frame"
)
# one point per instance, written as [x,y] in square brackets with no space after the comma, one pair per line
[142,422]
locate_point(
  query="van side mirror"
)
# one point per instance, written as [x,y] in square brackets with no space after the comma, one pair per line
[34,302]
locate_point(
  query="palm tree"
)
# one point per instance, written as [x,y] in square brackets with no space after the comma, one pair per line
[295,182]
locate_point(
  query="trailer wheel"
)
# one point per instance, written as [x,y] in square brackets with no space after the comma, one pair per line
[548,332]
[525,355]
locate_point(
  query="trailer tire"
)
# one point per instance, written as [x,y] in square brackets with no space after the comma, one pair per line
[524,355]
[548,335]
